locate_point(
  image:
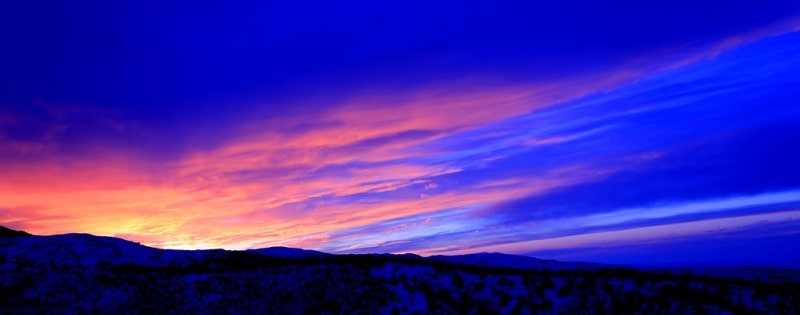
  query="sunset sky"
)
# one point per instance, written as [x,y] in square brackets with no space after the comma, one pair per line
[633,133]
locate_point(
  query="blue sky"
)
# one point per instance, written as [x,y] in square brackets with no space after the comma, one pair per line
[614,132]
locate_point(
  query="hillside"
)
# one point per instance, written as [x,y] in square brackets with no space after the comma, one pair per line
[80,273]
[6,232]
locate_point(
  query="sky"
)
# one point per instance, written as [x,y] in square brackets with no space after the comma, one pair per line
[644,133]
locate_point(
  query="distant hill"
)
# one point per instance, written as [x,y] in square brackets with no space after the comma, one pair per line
[501,260]
[79,249]
[82,273]
[287,252]
[6,232]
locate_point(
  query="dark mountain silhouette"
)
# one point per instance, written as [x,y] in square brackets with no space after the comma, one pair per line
[6,232]
[82,273]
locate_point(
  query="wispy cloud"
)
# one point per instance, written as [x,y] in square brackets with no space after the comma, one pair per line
[498,165]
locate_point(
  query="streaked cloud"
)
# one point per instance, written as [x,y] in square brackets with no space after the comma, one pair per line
[680,140]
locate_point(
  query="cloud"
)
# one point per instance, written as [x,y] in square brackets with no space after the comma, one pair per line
[336,171]
[763,241]
[746,162]
[696,229]
[29,217]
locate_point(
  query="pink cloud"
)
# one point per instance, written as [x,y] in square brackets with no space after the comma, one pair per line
[256,183]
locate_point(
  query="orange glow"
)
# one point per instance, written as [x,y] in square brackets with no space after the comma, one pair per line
[270,187]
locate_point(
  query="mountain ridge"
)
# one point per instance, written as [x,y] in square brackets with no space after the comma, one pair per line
[90,250]
[84,249]
[6,232]
[81,273]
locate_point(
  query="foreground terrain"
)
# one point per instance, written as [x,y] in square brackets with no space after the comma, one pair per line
[80,273]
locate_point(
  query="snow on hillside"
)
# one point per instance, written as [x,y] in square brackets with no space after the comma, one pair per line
[89,250]
[81,273]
